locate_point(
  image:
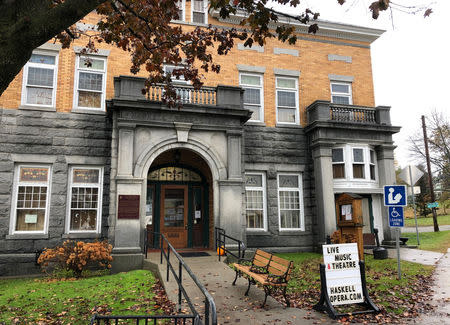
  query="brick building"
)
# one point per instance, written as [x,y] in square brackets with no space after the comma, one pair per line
[262,150]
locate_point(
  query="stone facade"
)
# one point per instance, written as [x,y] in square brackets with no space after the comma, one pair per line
[275,150]
[60,140]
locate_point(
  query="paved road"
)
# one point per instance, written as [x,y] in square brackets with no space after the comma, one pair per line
[425,229]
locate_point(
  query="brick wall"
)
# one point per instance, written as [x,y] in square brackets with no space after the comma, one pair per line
[312,63]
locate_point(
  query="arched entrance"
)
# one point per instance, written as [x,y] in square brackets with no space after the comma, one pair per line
[179,196]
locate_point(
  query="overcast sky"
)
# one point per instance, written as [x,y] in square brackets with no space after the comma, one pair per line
[411,60]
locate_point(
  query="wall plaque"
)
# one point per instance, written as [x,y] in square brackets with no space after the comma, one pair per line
[128,207]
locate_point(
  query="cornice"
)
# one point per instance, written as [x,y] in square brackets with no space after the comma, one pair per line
[326,28]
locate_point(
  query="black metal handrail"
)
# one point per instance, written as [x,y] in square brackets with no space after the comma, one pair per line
[210,306]
[221,238]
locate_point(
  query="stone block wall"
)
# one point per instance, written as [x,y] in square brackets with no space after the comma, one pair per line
[280,150]
[59,140]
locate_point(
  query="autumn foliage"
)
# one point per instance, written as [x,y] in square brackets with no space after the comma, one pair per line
[77,256]
[338,238]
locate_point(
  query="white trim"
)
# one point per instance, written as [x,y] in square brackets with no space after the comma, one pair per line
[300,198]
[103,72]
[261,89]
[183,9]
[339,162]
[70,185]
[16,184]
[349,181]
[205,12]
[348,95]
[297,117]
[42,66]
[264,194]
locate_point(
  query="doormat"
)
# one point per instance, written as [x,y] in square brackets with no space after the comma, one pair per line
[194,254]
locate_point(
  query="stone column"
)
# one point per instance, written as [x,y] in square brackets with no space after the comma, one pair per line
[323,176]
[230,209]
[127,251]
[386,176]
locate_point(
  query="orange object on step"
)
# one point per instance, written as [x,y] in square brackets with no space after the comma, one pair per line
[221,251]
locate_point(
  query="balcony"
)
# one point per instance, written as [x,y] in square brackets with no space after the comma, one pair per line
[325,111]
[130,88]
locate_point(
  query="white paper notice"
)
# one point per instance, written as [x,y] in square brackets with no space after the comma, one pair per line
[198,214]
[31,218]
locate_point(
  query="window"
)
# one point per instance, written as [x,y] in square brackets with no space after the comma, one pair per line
[287,100]
[39,79]
[32,191]
[255,197]
[90,83]
[337,158]
[341,93]
[372,164]
[358,163]
[170,68]
[290,202]
[253,95]
[85,198]
[199,11]
[181,5]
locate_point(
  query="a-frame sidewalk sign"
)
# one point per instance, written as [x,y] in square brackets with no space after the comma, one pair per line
[343,281]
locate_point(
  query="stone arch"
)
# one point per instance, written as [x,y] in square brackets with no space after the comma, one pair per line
[145,160]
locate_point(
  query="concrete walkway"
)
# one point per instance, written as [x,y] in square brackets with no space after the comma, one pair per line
[416,255]
[232,306]
[441,297]
[425,228]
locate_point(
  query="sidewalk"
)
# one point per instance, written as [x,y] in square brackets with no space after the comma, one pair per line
[441,298]
[425,228]
[232,306]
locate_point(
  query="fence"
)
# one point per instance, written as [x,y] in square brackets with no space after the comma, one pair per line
[352,114]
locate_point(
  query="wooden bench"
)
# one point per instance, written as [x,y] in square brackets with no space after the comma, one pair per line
[270,271]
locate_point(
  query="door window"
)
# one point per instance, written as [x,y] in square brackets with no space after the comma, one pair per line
[174,207]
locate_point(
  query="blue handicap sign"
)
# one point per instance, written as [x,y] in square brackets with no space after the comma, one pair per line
[396,217]
[395,195]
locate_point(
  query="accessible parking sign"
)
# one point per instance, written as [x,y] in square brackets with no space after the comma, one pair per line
[396,217]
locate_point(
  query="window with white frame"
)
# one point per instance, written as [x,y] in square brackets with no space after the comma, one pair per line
[199,11]
[337,158]
[287,100]
[372,164]
[255,196]
[90,82]
[358,162]
[85,199]
[253,95]
[181,5]
[31,197]
[39,79]
[341,93]
[290,202]
[170,68]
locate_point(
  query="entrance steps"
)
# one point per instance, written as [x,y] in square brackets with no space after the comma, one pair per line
[232,306]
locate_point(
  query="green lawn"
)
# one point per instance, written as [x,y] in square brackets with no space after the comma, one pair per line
[442,220]
[430,241]
[45,301]
[395,296]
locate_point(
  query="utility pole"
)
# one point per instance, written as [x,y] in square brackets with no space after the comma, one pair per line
[430,176]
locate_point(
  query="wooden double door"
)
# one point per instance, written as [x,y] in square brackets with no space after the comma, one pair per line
[182,215]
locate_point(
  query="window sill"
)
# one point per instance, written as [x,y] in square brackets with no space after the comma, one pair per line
[289,125]
[81,236]
[27,236]
[37,108]
[88,111]
[290,232]
[257,232]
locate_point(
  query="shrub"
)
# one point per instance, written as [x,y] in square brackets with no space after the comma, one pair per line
[75,257]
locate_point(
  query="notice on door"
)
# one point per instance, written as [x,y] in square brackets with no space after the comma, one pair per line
[343,277]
